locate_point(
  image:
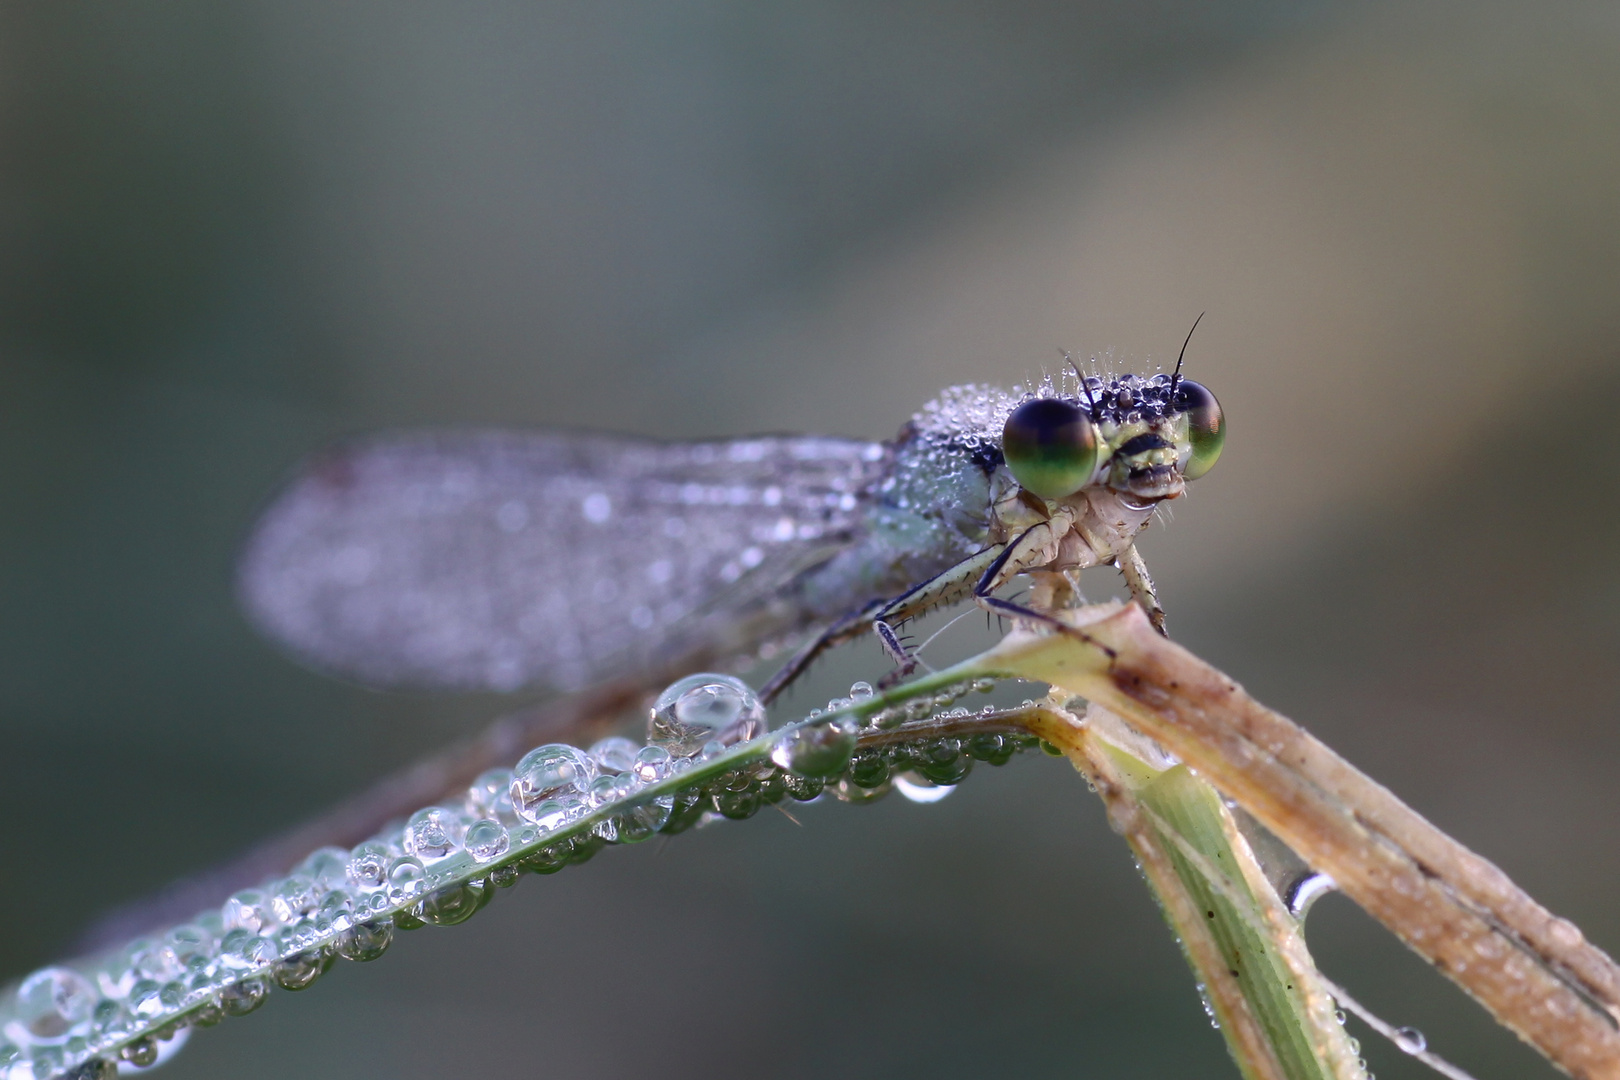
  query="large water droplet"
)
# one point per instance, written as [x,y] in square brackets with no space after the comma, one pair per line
[702,709]
[549,774]
[487,839]
[816,750]
[1411,1040]
[55,1000]
[432,834]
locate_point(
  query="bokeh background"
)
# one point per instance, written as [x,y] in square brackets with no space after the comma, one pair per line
[231,233]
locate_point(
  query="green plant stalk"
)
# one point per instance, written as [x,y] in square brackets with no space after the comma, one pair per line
[1257,980]
[1534,972]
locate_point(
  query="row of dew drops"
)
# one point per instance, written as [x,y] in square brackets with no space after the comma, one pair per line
[129,1010]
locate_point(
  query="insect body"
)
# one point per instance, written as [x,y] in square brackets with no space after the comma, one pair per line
[504,559]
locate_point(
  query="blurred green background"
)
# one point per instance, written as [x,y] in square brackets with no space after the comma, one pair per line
[231,233]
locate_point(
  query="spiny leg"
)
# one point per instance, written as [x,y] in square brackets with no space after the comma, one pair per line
[943,588]
[846,628]
[880,615]
[1135,572]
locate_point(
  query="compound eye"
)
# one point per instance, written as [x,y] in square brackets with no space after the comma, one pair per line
[1050,446]
[1206,427]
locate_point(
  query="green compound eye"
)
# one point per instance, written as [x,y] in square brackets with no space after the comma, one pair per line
[1206,427]
[1050,446]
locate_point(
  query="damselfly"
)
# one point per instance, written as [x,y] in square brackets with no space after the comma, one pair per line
[506,559]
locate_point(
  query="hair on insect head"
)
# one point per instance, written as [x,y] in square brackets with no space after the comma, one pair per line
[1085,387]
[1175,379]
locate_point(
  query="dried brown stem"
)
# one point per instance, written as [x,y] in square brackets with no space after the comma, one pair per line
[1533,971]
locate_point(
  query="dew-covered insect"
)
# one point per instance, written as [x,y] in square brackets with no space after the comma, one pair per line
[506,559]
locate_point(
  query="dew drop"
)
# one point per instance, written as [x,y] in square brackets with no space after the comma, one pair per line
[432,834]
[299,971]
[326,867]
[614,754]
[450,905]
[189,947]
[248,948]
[861,691]
[365,941]
[142,1053]
[1411,1040]
[869,769]
[96,1068]
[943,761]
[406,877]
[292,898]
[487,839]
[248,910]
[54,1001]
[490,796]
[846,790]
[652,764]
[816,750]
[549,774]
[241,998]
[702,709]
[146,998]
[802,788]
[368,867]
[555,813]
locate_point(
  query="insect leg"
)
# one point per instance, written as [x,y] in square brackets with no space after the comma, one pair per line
[1135,572]
[1035,547]
[943,588]
[846,628]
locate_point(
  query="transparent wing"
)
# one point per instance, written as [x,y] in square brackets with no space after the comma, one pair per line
[499,559]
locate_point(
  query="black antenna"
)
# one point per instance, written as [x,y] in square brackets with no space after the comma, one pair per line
[1085,387]
[1175,380]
